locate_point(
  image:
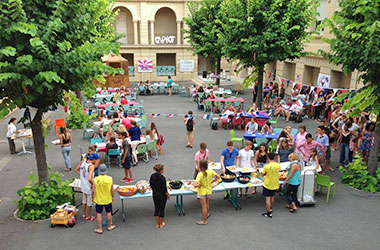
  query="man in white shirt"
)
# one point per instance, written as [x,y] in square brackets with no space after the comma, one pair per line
[251,126]
[245,160]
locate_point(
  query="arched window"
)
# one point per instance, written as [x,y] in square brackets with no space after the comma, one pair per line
[124,25]
[165,27]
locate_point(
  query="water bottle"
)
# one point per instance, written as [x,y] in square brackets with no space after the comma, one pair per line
[104,221]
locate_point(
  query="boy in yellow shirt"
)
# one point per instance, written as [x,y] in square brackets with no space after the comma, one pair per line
[103,193]
[271,183]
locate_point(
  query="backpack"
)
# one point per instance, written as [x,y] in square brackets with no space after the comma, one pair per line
[190,124]
[214,126]
[298,118]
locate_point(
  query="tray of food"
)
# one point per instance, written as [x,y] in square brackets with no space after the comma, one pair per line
[143,186]
[126,191]
[214,165]
[247,170]
[175,184]
[228,177]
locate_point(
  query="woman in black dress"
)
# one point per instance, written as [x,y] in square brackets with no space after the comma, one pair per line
[160,194]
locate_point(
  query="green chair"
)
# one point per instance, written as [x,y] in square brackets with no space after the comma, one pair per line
[126,107]
[156,89]
[275,122]
[87,132]
[236,139]
[273,146]
[175,88]
[237,104]
[227,104]
[152,147]
[294,132]
[108,98]
[183,92]
[143,122]
[259,141]
[162,89]
[81,152]
[108,108]
[325,181]
[142,110]
[225,95]
[142,149]
[207,106]
[277,130]
[214,118]
[96,140]
[115,126]
[113,152]
[218,105]
[106,127]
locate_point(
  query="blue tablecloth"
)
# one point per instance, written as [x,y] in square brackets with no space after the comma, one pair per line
[259,135]
[257,115]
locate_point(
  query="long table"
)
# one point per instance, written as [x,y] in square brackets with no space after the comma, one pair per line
[248,136]
[104,105]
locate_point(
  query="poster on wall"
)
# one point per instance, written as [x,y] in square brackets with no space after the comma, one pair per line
[324,81]
[186,65]
[145,66]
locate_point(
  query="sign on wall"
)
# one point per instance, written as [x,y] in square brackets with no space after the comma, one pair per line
[186,65]
[324,81]
[145,66]
[164,39]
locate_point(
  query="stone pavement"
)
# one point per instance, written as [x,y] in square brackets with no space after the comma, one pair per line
[347,222]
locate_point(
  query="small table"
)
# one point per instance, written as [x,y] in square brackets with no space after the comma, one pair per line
[22,135]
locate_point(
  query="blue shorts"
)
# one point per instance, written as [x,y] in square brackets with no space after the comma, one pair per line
[99,208]
[127,162]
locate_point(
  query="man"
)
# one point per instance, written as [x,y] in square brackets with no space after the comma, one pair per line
[305,148]
[245,160]
[228,158]
[271,183]
[202,154]
[189,123]
[103,194]
[324,157]
[252,126]
[126,159]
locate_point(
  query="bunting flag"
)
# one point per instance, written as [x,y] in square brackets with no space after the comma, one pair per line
[154,115]
[138,115]
[170,115]
[125,114]
[318,90]
[238,115]
[53,108]
[282,80]
[107,112]
[206,116]
[344,91]
[301,102]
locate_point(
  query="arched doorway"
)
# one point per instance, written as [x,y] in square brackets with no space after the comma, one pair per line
[124,25]
[165,27]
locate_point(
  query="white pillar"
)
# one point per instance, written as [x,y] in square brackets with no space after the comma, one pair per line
[178,32]
[152,32]
[135,31]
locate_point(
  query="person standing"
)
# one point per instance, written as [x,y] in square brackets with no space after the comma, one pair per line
[160,194]
[12,131]
[202,154]
[203,182]
[344,140]
[189,123]
[228,158]
[255,90]
[292,181]
[271,183]
[103,194]
[324,156]
[65,141]
[305,148]
[170,85]
[126,159]
[300,137]
[135,134]
[245,160]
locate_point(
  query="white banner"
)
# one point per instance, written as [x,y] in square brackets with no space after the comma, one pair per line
[186,66]
[324,81]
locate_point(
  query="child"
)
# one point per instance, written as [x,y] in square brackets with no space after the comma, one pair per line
[267,128]
[314,161]
[85,169]
[103,194]
[271,183]
[126,159]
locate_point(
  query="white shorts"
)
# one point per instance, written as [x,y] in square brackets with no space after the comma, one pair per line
[87,200]
[134,144]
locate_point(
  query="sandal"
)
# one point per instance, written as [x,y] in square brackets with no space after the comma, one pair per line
[253,192]
[208,216]
[91,218]
[239,195]
[112,227]
[162,225]
[331,169]
[201,223]
[292,210]
[98,231]
[247,196]
[288,206]
[84,217]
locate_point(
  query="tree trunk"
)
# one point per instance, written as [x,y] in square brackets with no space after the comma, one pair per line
[373,159]
[39,148]
[218,66]
[260,76]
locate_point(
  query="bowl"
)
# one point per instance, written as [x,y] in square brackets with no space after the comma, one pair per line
[130,192]
[228,177]
[244,179]
[175,184]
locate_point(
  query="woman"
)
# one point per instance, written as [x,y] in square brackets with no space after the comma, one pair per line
[284,151]
[255,90]
[292,181]
[253,109]
[115,118]
[294,92]
[267,102]
[286,133]
[366,140]
[300,137]
[170,84]
[261,155]
[111,145]
[12,130]
[314,160]
[160,194]
[203,182]
[135,134]
[267,128]
[344,140]
[122,129]
[65,142]
[110,133]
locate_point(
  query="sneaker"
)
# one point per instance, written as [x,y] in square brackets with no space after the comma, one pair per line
[267,215]
[130,180]
[125,179]
[91,218]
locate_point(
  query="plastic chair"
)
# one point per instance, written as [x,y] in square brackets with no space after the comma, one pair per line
[156,89]
[106,127]
[200,104]
[108,108]
[152,147]
[87,132]
[133,96]
[142,106]
[142,149]
[143,122]
[325,181]
[227,103]
[237,121]
[214,118]
[108,98]
[237,104]
[113,152]
[115,126]
[225,95]
[294,132]
[59,123]
[224,121]
[275,122]
[277,130]
[207,106]
[236,139]
[96,140]
[162,89]
[259,141]
[273,146]
[218,105]
[175,89]
[125,107]
[142,90]
[183,92]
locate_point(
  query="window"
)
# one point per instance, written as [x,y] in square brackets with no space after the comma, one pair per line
[321,15]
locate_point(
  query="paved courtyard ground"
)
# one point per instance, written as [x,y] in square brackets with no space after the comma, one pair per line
[349,221]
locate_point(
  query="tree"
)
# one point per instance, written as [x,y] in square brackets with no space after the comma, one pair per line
[203,27]
[356,46]
[258,32]
[47,48]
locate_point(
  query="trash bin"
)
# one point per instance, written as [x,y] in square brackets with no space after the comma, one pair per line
[204,74]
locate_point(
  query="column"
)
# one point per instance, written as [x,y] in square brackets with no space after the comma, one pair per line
[152,32]
[178,32]
[135,31]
